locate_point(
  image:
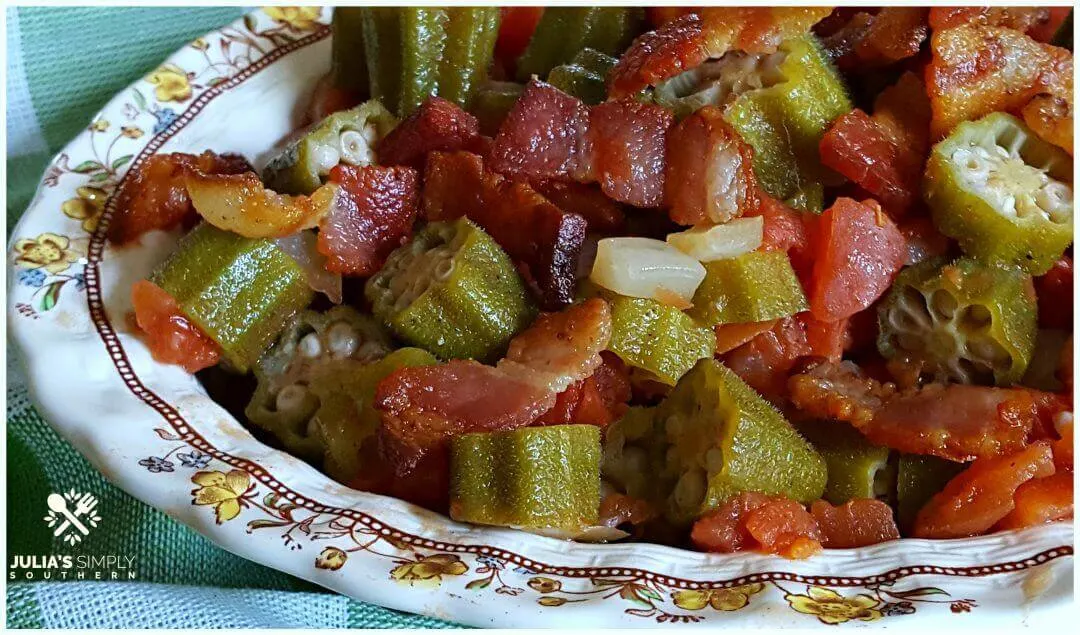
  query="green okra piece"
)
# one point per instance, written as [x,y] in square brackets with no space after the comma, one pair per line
[348,65]
[754,287]
[348,137]
[453,291]
[415,52]
[492,102]
[856,467]
[918,478]
[656,337]
[712,438]
[965,321]
[239,291]
[544,477]
[1003,193]
[584,76]
[564,31]
[810,197]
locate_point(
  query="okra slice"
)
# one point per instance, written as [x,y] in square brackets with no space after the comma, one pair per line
[584,76]
[657,338]
[964,321]
[754,287]
[533,478]
[630,454]
[1004,194]
[239,291]
[453,291]
[414,52]
[348,66]
[492,102]
[564,31]
[781,103]
[348,137]
[918,478]
[856,467]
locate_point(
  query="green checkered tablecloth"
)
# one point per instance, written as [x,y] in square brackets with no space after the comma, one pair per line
[63,65]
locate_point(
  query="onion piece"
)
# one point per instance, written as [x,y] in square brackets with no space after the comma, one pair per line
[717,242]
[301,246]
[647,268]
[595,533]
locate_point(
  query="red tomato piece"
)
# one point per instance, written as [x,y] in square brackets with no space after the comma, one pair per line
[598,400]
[858,250]
[373,216]
[1055,292]
[732,336]
[771,524]
[171,337]
[1063,448]
[1040,501]
[437,125]
[856,523]
[983,494]
[515,30]
[765,361]
[826,339]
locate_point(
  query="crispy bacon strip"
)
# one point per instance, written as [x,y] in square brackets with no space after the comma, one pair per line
[372,216]
[687,41]
[977,70]
[956,422]
[601,214]
[423,407]
[437,125]
[154,195]
[709,177]
[1051,117]
[543,135]
[1022,19]
[627,141]
[543,239]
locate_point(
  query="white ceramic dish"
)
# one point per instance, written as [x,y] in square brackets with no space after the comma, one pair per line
[152,430]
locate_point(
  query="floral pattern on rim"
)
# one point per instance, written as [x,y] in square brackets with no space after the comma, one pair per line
[304,521]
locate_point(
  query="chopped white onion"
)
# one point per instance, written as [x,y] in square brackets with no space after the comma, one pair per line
[301,246]
[647,268]
[729,240]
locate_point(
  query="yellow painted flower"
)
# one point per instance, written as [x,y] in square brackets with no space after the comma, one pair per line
[331,559]
[171,83]
[544,585]
[296,18]
[832,608]
[131,132]
[731,599]
[87,207]
[100,125]
[223,491]
[199,44]
[51,252]
[429,569]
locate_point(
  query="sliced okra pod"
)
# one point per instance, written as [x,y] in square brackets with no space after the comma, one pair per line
[584,76]
[963,321]
[544,477]
[453,291]
[564,31]
[857,468]
[348,66]
[918,478]
[1004,194]
[492,102]
[657,338]
[754,287]
[239,291]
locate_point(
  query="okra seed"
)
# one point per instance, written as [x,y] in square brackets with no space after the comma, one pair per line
[690,490]
[310,346]
[975,317]
[714,460]
[326,157]
[944,303]
[370,351]
[355,149]
[342,340]
[290,398]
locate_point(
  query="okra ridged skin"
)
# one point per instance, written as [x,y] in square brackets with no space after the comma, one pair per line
[297,169]
[786,121]
[239,291]
[469,309]
[657,337]
[564,31]
[972,322]
[1004,221]
[471,33]
[544,477]
[856,467]
[754,287]
[584,76]
[492,102]
[348,66]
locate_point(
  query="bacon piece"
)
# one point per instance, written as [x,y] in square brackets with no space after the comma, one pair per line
[884,154]
[626,141]
[977,70]
[709,177]
[598,400]
[543,239]
[171,337]
[751,520]
[602,215]
[421,408]
[1022,19]
[437,125]
[543,135]
[1040,501]
[687,41]
[153,196]
[372,216]
[1055,292]
[983,494]
[784,230]
[1051,117]
[955,421]
[856,523]
[765,361]
[894,33]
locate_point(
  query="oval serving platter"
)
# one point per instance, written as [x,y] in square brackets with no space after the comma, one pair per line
[154,432]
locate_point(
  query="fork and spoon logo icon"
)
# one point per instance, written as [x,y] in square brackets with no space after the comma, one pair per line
[72,514]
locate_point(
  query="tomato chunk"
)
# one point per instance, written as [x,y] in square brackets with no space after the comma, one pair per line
[751,520]
[597,400]
[858,251]
[515,30]
[1040,501]
[170,335]
[856,523]
[1055,292]
[765,361]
